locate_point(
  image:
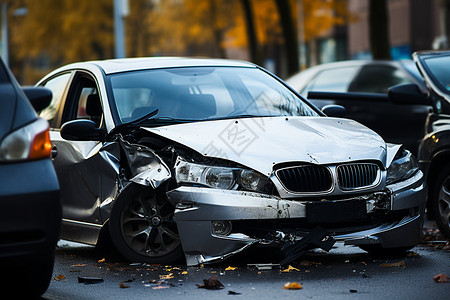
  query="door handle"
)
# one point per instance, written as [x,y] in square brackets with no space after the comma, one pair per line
[54,151]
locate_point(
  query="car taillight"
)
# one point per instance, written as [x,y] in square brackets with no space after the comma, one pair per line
[29,142]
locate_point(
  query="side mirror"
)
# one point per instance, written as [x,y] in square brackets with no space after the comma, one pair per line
[40,97]
[334,110]
[408,93]
[82,130]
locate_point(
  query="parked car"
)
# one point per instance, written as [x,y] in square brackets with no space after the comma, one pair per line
[30,213]
[204,158]
[400,124]
[434,149]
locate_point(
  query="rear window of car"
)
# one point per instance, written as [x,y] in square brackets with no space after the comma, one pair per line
[332,80]
[377,79]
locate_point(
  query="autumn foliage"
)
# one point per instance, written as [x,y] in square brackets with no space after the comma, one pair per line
[55,32]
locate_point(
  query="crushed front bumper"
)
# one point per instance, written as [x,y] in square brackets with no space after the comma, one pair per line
[215,224]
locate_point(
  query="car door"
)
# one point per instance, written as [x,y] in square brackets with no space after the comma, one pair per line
[77,163]
[400,124]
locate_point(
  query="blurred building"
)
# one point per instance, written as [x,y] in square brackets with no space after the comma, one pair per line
[413,25]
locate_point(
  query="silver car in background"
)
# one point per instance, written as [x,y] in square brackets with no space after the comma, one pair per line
[203,158]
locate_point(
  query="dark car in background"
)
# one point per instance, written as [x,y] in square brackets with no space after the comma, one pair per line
[30,209]
[434,148]
[400,124]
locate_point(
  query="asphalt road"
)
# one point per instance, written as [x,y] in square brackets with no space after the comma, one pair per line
[343,273]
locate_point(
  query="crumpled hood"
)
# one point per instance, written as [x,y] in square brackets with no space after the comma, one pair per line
[260,143]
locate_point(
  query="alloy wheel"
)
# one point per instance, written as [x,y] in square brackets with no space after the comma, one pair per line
[148,227]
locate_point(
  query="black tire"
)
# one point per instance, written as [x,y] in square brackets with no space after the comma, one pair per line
[378,250]
[440,200]
[142,226]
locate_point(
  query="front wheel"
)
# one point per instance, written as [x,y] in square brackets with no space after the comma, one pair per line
[440,200]
[142,226]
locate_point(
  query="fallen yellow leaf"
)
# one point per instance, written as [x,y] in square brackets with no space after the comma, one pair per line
[290,268]
[184,272]
[292,286]
[59,277]
[101,260]
[441,278]
[397,264]
[230,268]
[168,276]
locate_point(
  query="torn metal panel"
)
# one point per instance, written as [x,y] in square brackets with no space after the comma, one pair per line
[145,166]
[317,238]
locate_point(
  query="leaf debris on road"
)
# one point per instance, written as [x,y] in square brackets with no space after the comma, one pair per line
[441,278]
[290,268]
[211,283]
[292,286]
[59,277]
[391,265]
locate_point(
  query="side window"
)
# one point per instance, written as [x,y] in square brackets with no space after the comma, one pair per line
[83,101]
[331,80]
[57,85]
[377,79]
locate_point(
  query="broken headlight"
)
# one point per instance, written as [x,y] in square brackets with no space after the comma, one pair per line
[220,177]
[402,167]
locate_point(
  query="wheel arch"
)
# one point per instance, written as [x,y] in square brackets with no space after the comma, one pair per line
[438,160]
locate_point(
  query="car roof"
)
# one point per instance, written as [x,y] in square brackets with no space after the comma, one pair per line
[131,64]
[299,79]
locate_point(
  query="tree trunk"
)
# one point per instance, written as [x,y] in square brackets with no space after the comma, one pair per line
[289,36]
[379,29]
[253,46]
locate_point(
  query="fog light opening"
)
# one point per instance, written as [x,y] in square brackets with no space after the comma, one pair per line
[221,227]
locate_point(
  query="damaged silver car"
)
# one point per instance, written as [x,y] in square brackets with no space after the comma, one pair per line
[204,158]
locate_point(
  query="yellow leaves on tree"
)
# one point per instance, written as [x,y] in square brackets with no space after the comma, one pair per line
[66,30]
[74,30]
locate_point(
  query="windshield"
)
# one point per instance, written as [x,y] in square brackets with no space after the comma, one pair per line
[203,93]
[438,71]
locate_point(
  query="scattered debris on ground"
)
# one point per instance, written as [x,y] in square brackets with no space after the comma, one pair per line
[264,266]
[441,278]
[59,277]
[393,265]
[90,280]
[211,283]
[432,237]
[292,286]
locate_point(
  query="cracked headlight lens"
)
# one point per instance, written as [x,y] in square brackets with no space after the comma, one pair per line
[402,167]
[221,177]
[215,177]
[250,179]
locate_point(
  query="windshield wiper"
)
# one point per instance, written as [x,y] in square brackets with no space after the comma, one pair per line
[239,117]
[165,120]
[149,119]
[134,123]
